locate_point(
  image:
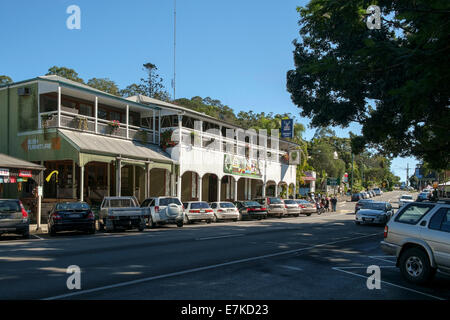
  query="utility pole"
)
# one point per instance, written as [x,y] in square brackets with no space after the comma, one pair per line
[407,174]
[174,46]
[351,186]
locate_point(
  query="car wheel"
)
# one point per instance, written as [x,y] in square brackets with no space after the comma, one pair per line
[26,235]
[180,224]
[52,232]
[415,266]
[187,220]
[308,214]
[357,223]
[215,218]
[109,226]
[151,224]
[209,221]
[91,230]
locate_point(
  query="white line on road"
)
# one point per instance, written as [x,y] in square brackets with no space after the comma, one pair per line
[214,266]
[292,268]
[381,258]
[220,237]
[388,283]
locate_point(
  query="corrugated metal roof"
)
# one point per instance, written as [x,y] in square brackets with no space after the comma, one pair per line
[11,162]
[97,144]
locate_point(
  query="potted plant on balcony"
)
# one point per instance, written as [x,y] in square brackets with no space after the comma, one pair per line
[82,122]
[45,119]
[285,157]
[114,125]
[143,135]
[166,140]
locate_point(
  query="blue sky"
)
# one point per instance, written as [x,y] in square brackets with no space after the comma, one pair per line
[234,51]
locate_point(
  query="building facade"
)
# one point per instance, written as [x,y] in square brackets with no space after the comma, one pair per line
[94,144]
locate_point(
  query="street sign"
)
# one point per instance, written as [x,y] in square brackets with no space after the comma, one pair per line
[287,128]
[332,181]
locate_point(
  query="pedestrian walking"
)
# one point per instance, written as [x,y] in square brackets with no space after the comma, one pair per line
[327,204]
[333,203]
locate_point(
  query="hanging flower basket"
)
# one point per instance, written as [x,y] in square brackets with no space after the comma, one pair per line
[114,125]
[82,122]
[166,140]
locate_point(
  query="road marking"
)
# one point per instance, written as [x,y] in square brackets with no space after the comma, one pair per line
[35,235]
[292,268]
[381,258]
[214,266]
[388,283]
[220,237]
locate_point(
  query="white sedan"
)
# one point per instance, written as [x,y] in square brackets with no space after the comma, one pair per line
[224,211]
[405,199]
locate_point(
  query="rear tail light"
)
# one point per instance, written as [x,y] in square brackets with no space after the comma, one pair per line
[263,208]
[112,217]
[57,217]
[24,212]
[194,211]
[286,206]
[302,206]
[209,210]
[386,230]
[156,209]
[91,215]
[220,210]
[268,201]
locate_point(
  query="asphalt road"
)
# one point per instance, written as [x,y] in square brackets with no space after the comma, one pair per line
[316,257]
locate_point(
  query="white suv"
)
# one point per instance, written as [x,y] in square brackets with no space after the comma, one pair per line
[419,236]
[164,210]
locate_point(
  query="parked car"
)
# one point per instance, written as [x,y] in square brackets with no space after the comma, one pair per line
[306,207]
[423,196]
[374,213]
[419,237]
[71,216]
[365,195]
[274,205]
[357,196]
[292,207]
[198,211]
[378,191]
[360,203]
[406,198]
[164,210]
[122,213]
[372,193]
[251,210]
[14,218]
[224,211]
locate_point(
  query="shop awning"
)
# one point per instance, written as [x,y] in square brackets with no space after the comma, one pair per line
[108,148]
[11,162]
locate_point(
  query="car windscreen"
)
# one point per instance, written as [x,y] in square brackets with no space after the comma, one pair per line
[373,206]
[302,201]
[251,204]
[199,205]
[290,202]
[120,203]
[72,206]
[9,206]
[275,200]
[412,213]
[226,205]
[167,201]
[406,198]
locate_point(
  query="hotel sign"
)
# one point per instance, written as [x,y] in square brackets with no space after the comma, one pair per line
[4,172]
[241,166]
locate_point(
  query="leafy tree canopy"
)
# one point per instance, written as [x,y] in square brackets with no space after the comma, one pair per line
[65,72]
[400,70]
[104,84]
[5,79]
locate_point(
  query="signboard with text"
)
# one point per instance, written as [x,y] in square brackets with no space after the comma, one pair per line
[287,128]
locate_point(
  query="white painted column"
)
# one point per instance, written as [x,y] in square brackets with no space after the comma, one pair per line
[59,106]
[154,125]
[200,186]
[159,126]
[264,186]
[276,190]
[294,191]
[118,177]
[179,184]
[249,197]
[167,184]
[108,179]
[96,114]
[74,190]
[235,189]
[172,184]
[219,186]
[127,125]
[82,183]
[134,181]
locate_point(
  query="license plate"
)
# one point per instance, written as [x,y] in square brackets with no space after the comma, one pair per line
[202,211]
[75,216]
[368,219]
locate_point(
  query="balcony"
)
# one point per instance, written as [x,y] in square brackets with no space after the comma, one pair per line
[94,125]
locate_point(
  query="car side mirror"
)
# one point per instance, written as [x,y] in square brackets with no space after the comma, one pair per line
[423,223]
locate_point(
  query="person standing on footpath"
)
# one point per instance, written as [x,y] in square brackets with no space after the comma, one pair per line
[333,203]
